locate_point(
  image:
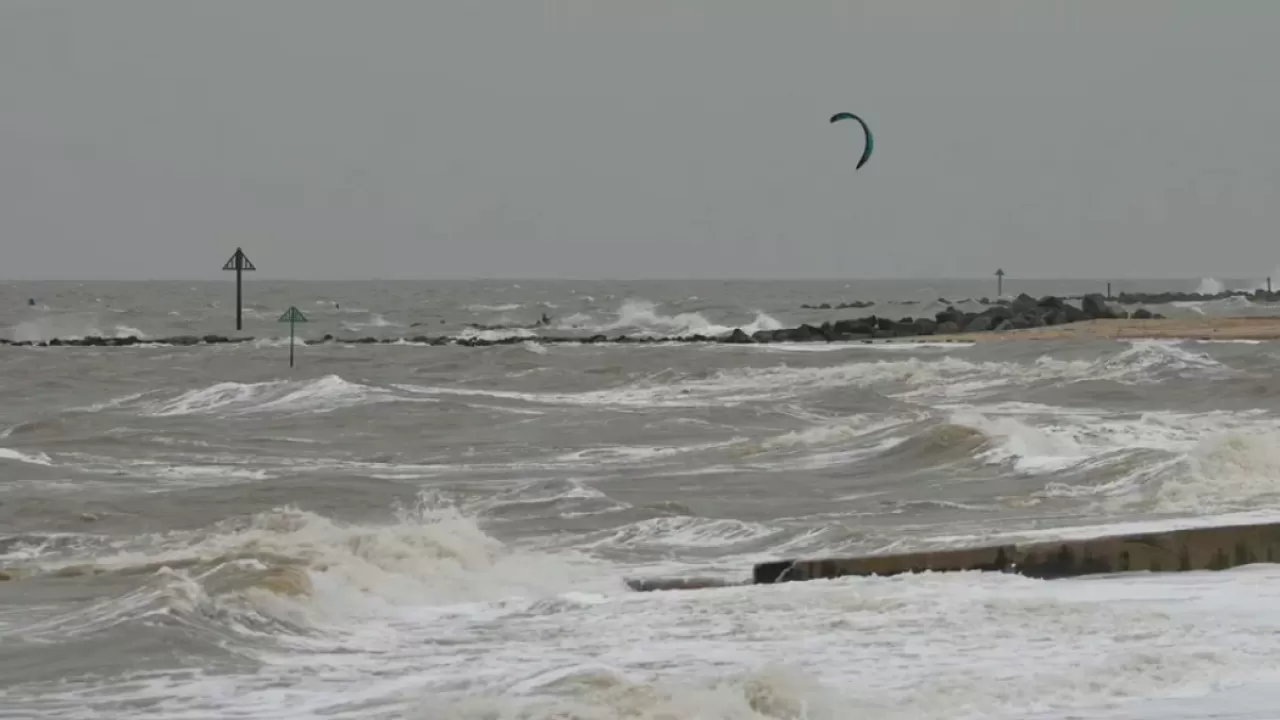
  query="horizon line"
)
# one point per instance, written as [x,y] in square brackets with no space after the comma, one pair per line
[253,276]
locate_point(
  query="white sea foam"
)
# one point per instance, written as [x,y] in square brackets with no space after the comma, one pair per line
[37,458]
[325,394]
[947,376]
[641,318]
[495,335]
[73,326]
[914,378]
[1202,462]
[505,307]
[912,647]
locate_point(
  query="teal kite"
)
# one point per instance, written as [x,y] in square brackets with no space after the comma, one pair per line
[866,151]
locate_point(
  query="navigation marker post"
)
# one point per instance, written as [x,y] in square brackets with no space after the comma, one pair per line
[240,263]
[999,283]
[291,316]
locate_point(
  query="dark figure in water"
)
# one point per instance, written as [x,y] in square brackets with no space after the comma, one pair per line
[546,319]
[31,302]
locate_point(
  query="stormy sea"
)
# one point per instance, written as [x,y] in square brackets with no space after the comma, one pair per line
[421,531]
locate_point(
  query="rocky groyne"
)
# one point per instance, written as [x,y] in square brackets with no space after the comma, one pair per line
[1124,298]
[1022,312]
[1164,298]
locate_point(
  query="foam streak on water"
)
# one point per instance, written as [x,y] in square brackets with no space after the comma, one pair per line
[410,531]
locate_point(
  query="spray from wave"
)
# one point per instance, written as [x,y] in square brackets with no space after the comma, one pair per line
[68,327]
[308,572]
[641,317]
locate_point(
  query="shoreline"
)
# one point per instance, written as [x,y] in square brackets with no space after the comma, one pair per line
[1259,328]
[1225,328]
[1023,318]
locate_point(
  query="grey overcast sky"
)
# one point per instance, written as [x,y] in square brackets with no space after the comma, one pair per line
[587,139]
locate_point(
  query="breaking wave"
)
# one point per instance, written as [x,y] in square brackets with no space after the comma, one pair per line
[69,327]
[430,554]
[325,394]
[641,317]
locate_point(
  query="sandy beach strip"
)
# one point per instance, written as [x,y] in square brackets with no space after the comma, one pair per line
[1205,328]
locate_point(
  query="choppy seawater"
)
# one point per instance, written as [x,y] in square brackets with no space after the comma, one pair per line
[407,531]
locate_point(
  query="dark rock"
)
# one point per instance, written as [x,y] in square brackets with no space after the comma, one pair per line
[1024,303]
[950,315]
[1095,307]
[854,327]
[856,304]
[980,323]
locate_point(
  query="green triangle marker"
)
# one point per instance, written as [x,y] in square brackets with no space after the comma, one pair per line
[292,316]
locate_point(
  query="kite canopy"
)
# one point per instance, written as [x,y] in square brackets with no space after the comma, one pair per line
[866,151]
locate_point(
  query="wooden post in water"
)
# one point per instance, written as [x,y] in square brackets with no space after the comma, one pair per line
[999,282]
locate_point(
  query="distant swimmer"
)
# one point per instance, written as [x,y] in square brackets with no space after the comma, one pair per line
[546,319]
[31,302]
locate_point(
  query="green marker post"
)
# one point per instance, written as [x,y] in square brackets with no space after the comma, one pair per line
[291,316]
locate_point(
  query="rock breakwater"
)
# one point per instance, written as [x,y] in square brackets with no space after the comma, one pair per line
[1124,298]
[1023,312]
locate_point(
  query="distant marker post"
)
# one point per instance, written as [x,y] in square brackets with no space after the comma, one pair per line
[240,263]
[291,316]
[999,282]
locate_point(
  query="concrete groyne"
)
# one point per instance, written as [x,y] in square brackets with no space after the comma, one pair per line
[1169,551]
[1180,550]
[1206,548]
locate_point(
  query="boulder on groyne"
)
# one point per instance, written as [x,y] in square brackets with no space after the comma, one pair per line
[1203,548]
[1021,313]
